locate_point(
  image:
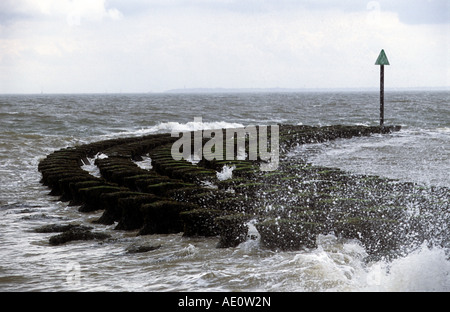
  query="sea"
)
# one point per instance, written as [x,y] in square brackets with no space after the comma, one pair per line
[34,125]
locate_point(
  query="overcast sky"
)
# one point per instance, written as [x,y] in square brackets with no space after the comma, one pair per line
[84,46]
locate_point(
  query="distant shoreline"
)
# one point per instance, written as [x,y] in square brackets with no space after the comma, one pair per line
[296,90]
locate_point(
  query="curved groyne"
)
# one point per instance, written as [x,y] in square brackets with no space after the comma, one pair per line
[289,206]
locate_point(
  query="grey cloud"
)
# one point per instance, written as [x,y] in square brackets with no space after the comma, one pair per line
[10,11]
[243,6]
[409,11]
[419,11]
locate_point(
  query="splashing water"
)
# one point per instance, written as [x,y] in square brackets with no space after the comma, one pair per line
[226,173]
[426,269]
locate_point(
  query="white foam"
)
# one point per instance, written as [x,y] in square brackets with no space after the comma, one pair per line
[426,269]
[145,163]
[101,156]
[168,127]
[226,173]
[194,126]
[208,184]
[340,265]
[186,252]
[90,166]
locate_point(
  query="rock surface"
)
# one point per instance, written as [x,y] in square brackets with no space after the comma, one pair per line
[75,234]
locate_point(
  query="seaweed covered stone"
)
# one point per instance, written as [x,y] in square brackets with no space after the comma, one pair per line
[289,206]
[76,234]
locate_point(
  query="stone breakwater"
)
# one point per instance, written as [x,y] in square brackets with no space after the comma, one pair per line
[289,207]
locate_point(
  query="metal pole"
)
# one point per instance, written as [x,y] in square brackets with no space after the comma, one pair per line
[381,95]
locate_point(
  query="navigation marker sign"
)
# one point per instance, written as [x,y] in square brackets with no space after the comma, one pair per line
[382,60]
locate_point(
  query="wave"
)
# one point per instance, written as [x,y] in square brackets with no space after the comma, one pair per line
[426,269]
[341,265]
[194,125]
[168,127]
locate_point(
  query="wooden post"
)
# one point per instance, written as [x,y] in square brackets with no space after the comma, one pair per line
[382,60]
[381,95]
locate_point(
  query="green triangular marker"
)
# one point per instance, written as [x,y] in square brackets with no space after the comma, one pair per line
[382,59]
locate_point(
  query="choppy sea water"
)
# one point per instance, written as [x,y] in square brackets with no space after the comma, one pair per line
[32,126]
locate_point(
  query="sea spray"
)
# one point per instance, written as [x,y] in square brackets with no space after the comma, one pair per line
[425,269]
[226,173]
[89,164]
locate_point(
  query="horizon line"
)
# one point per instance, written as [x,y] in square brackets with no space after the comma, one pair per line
[246,90]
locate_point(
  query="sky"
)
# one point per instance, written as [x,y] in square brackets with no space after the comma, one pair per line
[97,46]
